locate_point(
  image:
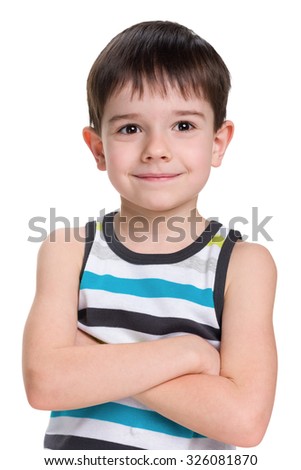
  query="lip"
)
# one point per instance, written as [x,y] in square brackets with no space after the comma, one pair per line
[157,176]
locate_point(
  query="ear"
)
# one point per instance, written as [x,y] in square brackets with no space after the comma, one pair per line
[222,139]
[94,142]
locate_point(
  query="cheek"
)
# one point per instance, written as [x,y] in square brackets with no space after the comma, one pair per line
[113,158]
[198,164]
[198,157]
[118,154]
[117,167]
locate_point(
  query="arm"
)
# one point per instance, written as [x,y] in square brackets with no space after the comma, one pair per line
[60,375]
[234,407]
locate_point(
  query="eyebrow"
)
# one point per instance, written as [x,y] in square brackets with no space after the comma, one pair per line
[119,117]
[190,112]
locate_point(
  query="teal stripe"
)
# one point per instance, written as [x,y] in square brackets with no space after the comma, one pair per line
[129,416]
[149,288]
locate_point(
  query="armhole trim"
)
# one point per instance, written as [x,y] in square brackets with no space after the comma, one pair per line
[90,229]
[221,272]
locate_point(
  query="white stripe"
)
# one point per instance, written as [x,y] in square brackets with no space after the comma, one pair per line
[135,437]
[112,335]
[132,403]
[163,307]
[169,272]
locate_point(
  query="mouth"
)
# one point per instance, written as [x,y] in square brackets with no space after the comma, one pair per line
[157,177]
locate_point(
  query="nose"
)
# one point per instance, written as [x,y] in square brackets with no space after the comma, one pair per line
[156,147]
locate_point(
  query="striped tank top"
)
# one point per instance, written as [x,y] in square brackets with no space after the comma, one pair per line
[126,297]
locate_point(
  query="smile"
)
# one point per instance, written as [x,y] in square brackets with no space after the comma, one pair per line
[157,177]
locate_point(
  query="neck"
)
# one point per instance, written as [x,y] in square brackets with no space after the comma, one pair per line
[147,231]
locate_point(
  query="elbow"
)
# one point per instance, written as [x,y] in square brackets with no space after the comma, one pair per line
[251,430]
[37,400]
[38,394]
[249,438]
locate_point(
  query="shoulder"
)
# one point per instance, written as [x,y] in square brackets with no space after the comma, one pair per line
[246,254]
[251,264]
[65,239]
[63,248]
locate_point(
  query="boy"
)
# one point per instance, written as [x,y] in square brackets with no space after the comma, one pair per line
[169,343]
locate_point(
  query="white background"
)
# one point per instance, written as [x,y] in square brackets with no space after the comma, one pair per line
[47,49]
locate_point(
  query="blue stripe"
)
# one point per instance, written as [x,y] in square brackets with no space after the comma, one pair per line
[129,416]
[149,288]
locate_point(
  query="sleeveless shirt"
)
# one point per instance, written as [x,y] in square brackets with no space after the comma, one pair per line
[127,297]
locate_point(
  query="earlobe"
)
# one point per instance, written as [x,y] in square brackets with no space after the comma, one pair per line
[222,139]
[94,142]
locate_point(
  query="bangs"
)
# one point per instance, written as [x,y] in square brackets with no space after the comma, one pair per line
[159,81]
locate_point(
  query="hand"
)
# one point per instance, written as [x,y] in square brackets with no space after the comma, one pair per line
[208,358]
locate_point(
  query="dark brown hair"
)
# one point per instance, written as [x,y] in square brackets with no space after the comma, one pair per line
[156,53]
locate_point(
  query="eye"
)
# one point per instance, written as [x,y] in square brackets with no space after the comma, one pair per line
[129,129]
[183,126]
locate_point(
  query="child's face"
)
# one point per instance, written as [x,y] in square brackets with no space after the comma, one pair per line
[158,150]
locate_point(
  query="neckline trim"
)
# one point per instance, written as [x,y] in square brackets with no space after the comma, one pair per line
[155,258]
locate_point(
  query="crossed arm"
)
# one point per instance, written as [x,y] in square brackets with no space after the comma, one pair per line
[227,396]
[234,406]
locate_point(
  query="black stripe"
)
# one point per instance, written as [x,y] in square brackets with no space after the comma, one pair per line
[145,323]
[61,442]
[221,272]
[155,258]
[90,235]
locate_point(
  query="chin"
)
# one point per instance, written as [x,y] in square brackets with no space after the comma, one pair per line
[160,207]
[157,203]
